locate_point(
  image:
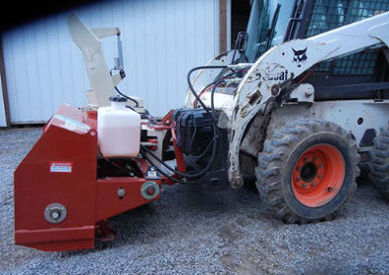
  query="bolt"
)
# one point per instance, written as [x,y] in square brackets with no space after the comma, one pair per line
[330,189]
[314,158]
[320,165]
[275,89]
[298,168]
[304,185]
[150,190]
[313,184]
[305,159]
[121,192]
[319,176]
[55,215]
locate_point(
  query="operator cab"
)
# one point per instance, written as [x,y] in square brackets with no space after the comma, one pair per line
[266,27]
[363,75]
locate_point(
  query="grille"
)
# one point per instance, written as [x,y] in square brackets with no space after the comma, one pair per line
[329,14]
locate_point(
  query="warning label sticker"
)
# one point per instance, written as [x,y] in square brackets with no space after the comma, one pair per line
[61,166]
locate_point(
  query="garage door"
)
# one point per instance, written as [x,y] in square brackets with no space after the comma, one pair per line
[162,41]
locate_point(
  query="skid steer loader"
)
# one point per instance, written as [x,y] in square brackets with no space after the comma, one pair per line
[298,103]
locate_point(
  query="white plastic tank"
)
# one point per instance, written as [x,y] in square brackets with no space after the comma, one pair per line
[118,129]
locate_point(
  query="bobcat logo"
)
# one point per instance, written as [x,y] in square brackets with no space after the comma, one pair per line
[299,56]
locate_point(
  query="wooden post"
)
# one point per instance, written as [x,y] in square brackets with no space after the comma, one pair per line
[223,26]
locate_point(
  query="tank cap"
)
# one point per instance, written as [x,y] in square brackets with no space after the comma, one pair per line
[117,98]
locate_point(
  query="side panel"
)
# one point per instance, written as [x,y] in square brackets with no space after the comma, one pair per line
[60,169]
[355,116]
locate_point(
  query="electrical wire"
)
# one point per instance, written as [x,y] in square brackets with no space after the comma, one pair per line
[160,171]
[146,152]
[187,175]
[129,107]
[193,90]
[167,175]
[206,88]
[124,95]
[209,86]
[204,170]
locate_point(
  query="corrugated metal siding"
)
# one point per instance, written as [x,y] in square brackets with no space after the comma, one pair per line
[162,41]
[3,121]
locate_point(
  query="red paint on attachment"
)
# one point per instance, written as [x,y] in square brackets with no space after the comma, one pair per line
[69,144]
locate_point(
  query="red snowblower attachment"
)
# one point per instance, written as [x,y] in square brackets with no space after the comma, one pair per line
[61,200]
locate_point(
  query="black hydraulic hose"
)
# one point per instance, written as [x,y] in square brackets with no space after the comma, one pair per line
[126,96]
[193,90]
[213,83]
[189,175]
[160,171]
[123,95]
[167,175]
[204,170]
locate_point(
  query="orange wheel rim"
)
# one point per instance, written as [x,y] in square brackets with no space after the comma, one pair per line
[318,175]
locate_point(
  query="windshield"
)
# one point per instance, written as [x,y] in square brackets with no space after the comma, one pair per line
[261,15]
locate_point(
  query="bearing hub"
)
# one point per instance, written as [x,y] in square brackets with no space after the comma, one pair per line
[318,175]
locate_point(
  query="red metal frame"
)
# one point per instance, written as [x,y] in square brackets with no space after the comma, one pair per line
[69,137]
[178,151]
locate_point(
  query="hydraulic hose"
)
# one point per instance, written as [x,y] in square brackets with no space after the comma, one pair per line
[193,90]
[145,151]
[189,175]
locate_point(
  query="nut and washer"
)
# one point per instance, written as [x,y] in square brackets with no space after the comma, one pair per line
[147,187]
[55,213]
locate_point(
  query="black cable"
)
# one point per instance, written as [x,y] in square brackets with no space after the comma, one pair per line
[167,175]
[160,171]
[122,73]
[129,107]
[206,87]
[204,170]
[206,149]
[193,90]
[193,135]
[217,81]
[126,96]
[188,175]
[213,83]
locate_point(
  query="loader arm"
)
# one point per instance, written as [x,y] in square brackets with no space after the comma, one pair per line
[272,73]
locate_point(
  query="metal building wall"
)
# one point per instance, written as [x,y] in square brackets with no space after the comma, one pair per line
[162,41]
[3,121]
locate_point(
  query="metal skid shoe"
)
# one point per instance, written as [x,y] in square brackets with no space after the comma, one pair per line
[61,201]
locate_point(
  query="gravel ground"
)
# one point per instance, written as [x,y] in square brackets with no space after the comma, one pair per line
[195,230]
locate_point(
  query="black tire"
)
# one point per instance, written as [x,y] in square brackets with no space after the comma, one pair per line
[379,163]
[282,149]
